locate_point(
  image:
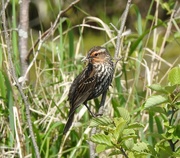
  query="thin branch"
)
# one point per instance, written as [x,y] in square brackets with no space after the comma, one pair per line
[93,131]
[117,51]
[19,87]
[4,7]
[92,146]
[123,152]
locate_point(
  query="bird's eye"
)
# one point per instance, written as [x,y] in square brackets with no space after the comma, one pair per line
[96,54]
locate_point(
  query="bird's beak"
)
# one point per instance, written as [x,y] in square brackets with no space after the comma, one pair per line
[85,59]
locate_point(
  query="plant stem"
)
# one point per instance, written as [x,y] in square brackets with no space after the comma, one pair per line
[123,152]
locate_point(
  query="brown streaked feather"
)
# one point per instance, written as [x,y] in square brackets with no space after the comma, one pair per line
[79,92]
[81,89]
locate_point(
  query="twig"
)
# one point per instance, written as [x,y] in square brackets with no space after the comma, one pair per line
[123,152]
[48,32]
[117,50]
[19,87]
[92,145]
[4,7]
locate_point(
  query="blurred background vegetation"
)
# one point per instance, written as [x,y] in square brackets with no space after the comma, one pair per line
[149,50]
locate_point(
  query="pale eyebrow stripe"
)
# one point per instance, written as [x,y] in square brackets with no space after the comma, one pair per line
[101,50]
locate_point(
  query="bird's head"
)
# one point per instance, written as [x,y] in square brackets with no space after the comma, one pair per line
[98,55]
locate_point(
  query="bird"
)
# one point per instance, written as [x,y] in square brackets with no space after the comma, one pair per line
[92,82]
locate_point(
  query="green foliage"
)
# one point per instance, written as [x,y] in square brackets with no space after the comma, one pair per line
[168,102]
[120,133]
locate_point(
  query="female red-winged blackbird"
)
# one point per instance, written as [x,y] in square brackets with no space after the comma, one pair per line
[93,81]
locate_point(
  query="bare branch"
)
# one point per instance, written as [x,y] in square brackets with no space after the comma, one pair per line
[117,50]
[4,7]
[121,30]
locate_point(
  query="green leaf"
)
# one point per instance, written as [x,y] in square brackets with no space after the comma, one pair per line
[140,147]
[157,109]
[157,87]
[103,121]
[170,89]
[177,131]
[155,100]
[128,132]
[174,76]
[129,143]
[100,148]
[131,155]
[101,139]
[128,137]
[135,125]
[118,120]
[124,114]
[171,130]
[120,125]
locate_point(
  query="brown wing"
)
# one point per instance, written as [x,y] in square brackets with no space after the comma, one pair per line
[82,87]
[79,91]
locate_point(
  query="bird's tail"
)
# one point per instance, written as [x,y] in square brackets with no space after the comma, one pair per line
[70,120]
